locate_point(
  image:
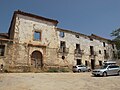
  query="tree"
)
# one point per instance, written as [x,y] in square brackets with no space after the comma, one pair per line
[116,34]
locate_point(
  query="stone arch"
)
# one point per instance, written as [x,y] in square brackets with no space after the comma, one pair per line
[36,59]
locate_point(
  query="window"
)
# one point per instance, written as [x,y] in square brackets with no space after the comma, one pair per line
[113,46]
[91,50]
[105,53]
[62,46]
[77,50]
[91,39]
[63,57]
[78,46]
[2,50]
[62,34]
[77,36]
[86,63]
[100,63]
[103,44]
[79,62]
[99,51]
[37,35]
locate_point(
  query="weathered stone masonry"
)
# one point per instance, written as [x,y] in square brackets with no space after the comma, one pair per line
[36,42]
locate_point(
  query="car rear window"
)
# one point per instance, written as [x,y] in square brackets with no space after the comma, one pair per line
[74,67]
[113,66]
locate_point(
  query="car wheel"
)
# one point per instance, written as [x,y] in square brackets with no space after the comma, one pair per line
[104,74]
[74,71]
[79,70]
[118,72]
[89,70]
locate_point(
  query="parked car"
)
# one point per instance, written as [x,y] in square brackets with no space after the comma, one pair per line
[81,68]
[107,70]
[109,63]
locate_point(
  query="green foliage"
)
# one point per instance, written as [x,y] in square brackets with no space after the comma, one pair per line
[116,34]
[64,70]
[55,69]
[52,69]
[117,42]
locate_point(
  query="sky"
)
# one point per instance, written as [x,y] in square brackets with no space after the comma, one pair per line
[88,17]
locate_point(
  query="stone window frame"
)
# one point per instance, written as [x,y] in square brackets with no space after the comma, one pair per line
[40,35]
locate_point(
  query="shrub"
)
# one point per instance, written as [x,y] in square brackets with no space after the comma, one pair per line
[64,70]
[53,69]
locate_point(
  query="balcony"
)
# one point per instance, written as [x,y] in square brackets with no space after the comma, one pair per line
[63,50]
[78,53]
[106,56]
[93,55]
[115,56]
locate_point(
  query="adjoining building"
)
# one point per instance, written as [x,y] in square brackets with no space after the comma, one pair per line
[35,42]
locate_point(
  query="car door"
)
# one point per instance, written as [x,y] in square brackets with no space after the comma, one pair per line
[116,69]
[112,70]
[84,68]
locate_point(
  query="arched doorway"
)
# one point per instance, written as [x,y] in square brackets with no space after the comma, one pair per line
[36,59]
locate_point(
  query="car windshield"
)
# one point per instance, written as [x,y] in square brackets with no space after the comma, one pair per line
[103,67]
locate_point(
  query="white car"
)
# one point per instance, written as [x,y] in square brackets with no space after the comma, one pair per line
[81,68]
[107,70]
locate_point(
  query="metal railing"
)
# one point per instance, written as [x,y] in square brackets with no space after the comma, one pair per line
[78,53]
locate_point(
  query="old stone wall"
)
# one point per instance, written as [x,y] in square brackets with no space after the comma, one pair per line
[71,40]
[19,52]
[24,43]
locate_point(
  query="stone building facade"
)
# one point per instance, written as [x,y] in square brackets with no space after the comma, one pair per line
[36,42]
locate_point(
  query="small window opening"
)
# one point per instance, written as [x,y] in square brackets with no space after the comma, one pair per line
[78,46]
[91,50]
[103,44]
[91,39]
[62,34]
[37,35]
[1,68]
[77,36]
[63,57]
[86,63]
[100,63]
[99,51]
